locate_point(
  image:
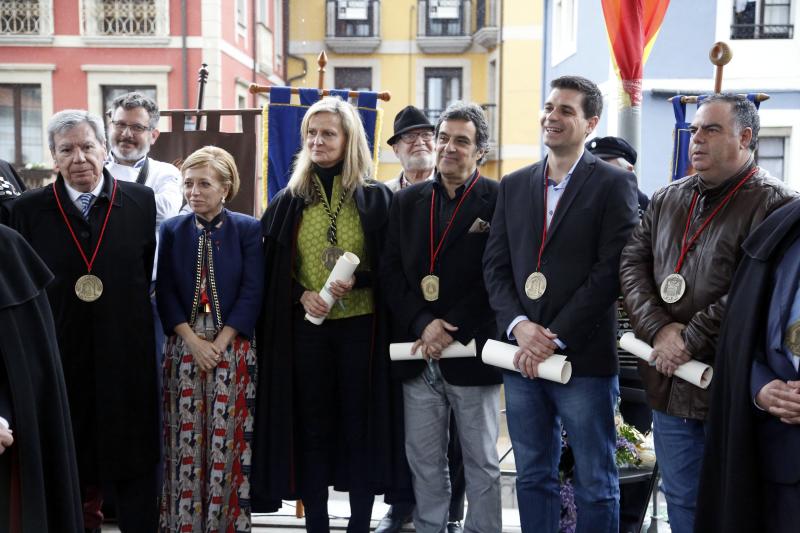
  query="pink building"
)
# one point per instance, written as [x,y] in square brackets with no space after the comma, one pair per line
[59,54]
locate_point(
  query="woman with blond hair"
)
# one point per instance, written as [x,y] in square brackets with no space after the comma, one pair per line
[208,291]
[322,414]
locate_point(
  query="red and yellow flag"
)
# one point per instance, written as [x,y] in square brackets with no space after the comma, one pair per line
[632,29]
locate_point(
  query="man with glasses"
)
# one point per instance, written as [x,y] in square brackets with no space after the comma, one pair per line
[133,129]
[413,145]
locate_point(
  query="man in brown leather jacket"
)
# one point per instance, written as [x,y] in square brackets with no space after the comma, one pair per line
[676,271]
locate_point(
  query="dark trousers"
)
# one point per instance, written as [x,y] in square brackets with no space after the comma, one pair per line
[135,499]
[332,383]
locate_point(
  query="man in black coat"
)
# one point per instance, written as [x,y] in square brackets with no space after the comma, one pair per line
[551,271]
[38,474]
[97,235]
[432,277]
[751,469]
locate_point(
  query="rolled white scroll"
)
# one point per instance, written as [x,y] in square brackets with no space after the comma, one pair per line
[554,368]
[342,271]
[401,351]
[697,373]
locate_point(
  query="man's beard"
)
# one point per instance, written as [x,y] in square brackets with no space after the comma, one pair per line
[415,163]
[130,155]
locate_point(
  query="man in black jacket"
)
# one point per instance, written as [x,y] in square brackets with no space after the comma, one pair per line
[551,271]
[431,274]
[97,235]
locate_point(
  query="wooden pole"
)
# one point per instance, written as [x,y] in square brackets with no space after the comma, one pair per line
[322,60]
[760,97]
[719,55]
[385,95]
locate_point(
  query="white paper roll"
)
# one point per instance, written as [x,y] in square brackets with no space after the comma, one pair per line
[697,373]
[554,368]
[401,351]
[342,271]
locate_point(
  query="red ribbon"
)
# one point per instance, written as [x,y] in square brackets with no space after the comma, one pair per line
[435,253]
[686,246]
[544,227]
[72,232]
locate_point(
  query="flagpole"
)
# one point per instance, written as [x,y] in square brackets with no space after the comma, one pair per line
[629,115]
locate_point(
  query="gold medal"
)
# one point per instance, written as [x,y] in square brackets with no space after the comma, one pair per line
[88,288]
[430,287]
[330,255]
[535,285]
[792,338]
[672,288]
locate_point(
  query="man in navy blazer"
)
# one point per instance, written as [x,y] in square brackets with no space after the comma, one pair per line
[550,268]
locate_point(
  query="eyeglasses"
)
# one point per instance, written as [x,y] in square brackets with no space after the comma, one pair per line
[135,128]
[412,136]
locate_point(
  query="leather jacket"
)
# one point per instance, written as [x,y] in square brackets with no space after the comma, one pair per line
[652,254]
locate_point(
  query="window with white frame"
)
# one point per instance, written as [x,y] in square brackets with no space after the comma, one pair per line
[125,18]
[21,124]
[771,155]
[762,19]
[564,26]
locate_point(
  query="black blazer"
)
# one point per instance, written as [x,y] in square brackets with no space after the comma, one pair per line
[591,225]
[463,300]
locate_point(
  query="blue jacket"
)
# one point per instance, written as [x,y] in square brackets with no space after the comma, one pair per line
[238,271]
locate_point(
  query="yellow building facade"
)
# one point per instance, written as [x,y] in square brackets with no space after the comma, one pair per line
[429,53]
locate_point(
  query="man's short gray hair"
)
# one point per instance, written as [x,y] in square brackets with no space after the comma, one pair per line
[68,119]
[134,100]
[745,113]
[469,112]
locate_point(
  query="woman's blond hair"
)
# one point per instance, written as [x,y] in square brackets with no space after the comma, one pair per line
[357,158]
[218,160]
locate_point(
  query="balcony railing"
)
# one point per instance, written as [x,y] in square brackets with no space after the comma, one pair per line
[762,31]
[353,26]
[25,18]
[125,18]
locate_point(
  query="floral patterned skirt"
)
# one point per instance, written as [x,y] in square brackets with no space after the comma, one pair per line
[208,427]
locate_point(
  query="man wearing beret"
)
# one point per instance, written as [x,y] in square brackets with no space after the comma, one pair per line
[617,151]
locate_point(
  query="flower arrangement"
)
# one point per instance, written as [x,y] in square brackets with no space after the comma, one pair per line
[632,451]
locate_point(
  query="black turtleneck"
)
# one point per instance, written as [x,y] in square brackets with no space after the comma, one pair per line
[326,176]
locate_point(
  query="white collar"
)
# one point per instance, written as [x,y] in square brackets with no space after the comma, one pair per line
[75,194]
